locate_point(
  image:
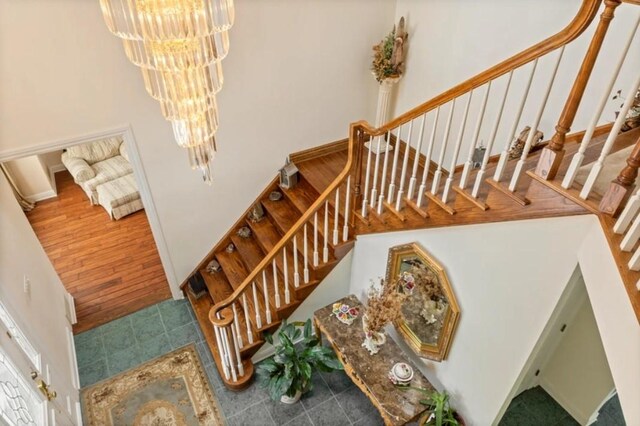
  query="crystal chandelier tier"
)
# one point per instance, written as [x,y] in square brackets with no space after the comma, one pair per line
[179,46]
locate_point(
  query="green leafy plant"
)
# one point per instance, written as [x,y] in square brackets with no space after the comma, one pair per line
[439,411]
[290,369]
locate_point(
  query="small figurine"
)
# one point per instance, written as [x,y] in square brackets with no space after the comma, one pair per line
[230,248]
[244,232]
[213,267]
[257,213]
[275,196]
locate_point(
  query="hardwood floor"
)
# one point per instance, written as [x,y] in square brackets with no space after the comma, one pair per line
[111,268]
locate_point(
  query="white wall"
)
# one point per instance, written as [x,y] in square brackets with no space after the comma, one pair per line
[41,313]
[296,76]
[577,375]
[31,177]
[453,40]
[507,277]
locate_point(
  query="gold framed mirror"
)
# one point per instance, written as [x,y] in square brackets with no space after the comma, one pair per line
[430,314]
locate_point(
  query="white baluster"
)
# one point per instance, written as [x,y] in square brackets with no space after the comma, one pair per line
[325,247]
[515,178]
[492,138]
[427,160]
[438,174]
[237,350]
[276,290]
[374,186]
[456,151]
[287,292]
[394,165]
[403,173]
[316,258]
[634,263]
[631,237]
[383,180]
[345,228]
[221,352]
[578,158]
[265,289]
[504,155]
[416,161]
[336,233]
[627,215]
[365,200]
[236,323]
[613,134]
[228,349]
[246,316]
[305,246]
[474,141]
[256,305]
[296,274]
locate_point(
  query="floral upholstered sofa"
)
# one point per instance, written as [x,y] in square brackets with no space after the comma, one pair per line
[103,171]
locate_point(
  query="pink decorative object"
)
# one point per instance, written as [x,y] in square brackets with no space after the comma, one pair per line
[344,313]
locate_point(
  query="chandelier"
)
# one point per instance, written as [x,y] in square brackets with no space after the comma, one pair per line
[179,46]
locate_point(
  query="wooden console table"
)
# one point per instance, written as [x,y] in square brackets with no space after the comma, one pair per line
[369,372]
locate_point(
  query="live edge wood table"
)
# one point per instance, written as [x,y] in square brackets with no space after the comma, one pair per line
[370,372]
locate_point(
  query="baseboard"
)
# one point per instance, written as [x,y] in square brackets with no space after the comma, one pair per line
[41,196]
[319,151]
[577,414]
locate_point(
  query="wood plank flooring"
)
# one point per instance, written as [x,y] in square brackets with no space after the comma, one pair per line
[111,268]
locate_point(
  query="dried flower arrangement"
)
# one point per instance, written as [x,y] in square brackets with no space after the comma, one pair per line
[632,120]
[388,55]
[385,299]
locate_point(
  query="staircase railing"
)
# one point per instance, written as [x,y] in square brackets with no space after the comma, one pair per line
[396,176]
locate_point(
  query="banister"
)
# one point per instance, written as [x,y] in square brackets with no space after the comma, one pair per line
[353,141]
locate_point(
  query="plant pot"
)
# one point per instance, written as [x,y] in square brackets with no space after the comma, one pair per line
[291,399]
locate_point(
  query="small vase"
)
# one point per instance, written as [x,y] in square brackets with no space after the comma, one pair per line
[291,399]
[372,339]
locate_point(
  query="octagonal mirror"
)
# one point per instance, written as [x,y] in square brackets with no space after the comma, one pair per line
[429,315]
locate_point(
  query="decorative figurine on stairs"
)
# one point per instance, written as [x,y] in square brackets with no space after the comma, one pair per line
[244,232]
[213,267]
[257,213]
[288,175]
[518,145]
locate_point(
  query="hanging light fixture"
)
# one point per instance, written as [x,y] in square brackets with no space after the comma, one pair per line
[179,46]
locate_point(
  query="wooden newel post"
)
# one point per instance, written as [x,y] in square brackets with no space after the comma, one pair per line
[621,187]
[357,171]
[552,154]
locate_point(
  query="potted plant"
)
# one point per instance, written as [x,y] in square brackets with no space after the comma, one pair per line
[439,411]
[287,374]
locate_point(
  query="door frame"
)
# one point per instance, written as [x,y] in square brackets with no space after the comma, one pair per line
[126,132]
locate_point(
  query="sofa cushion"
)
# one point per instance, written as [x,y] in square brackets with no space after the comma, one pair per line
[107,170]
[79,169]
[123,151]
[93,152]
[118,192]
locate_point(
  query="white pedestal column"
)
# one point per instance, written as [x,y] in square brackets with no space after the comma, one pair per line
[382,113]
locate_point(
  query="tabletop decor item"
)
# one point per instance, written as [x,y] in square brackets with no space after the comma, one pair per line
[401,374]
[344,313]
[287,374]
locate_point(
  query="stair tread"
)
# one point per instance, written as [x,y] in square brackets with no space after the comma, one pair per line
[233,267]
[266,234]
[303,195]
[282,212]
[320,172]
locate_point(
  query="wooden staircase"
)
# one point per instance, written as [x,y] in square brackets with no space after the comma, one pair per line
[425,181]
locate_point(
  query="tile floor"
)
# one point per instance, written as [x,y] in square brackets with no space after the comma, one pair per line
[334,401]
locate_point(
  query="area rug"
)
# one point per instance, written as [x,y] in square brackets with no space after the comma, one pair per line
[169,391]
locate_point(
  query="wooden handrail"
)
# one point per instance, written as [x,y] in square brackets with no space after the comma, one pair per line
[354,138]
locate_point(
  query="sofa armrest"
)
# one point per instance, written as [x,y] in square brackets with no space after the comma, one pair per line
[79,169]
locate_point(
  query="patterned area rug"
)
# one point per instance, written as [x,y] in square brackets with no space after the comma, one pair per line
[169,391]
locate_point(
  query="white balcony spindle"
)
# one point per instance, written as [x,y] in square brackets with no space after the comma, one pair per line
[296,272]
[325,245]
[456,151]
[336,218]
[383,180]
[504,155]
[492,138]
[316,258]
[517,172]
[405,163]
[345,228]
[256,305]
[221,352]
[287,292]
[631,237]
[474,141]
[229,353]
[246,316]
[391,192]
[634,263]
[276,289]
[367,173]
[627,215]
[578,158]
[236,323]
[613,134]
[237,352]
[416,161]
[374,185]
[438,174]
[427,160]
[305,247]
[265,290]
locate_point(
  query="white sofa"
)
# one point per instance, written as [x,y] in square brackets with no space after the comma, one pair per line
[102,170]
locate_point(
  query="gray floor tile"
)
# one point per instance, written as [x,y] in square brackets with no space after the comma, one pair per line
[147,327]
[174,314]
[144,313]
[302,420]
[119,338]
[256,415]
[89,350]
[183,335]
[154,347]
[117,324]
[318,394]
[93,373]
[81,338]
[338,381]
[205,353]
[329,413]
[357,405]
[545,409]
[214,377]
[283,413]
[567,421]
[118,362]
[233,403]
